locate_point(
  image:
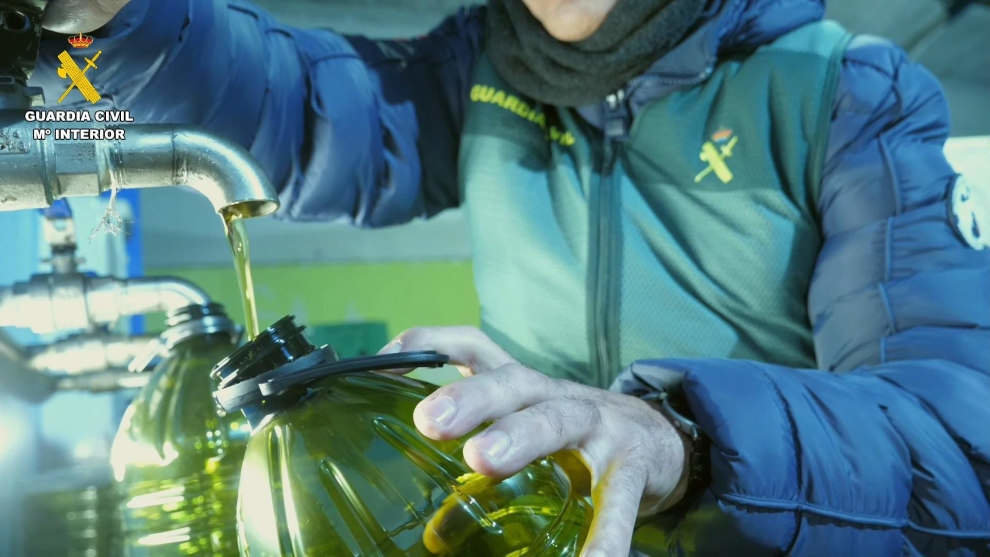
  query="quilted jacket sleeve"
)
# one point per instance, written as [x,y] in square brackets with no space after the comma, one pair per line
[347,128]
[886,449]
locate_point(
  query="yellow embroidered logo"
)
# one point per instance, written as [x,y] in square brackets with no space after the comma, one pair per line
[77,76]
[715,152]
[517,106]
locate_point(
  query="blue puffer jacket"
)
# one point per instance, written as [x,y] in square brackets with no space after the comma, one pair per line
[892,457]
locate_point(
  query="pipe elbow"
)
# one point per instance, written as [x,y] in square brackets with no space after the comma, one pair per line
[151,156]
[224,172]
[163,294]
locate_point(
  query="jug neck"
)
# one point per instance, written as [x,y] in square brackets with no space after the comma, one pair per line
[199,323]
[275,347]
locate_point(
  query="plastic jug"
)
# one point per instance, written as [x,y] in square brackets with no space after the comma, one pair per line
[175,459]
[335,465]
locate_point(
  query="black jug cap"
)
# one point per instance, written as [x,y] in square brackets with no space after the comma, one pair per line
[280,362]
[279,344]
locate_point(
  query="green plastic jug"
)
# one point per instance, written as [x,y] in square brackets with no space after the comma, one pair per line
[336,467]
[175,459]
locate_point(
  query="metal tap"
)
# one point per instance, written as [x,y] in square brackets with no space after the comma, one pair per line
[34,172]
[69,300]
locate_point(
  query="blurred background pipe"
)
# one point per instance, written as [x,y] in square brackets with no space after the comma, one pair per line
[16,378]
[60,302]
[103,381]
[90,353]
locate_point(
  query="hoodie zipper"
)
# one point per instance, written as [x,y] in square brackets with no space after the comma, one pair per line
[603,327]
[605,244]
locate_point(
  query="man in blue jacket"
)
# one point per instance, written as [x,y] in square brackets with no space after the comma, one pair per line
[742,207]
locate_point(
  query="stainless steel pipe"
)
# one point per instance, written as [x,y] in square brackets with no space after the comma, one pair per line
[35,172]
[63,302]
[16,378]
[83,354]
[102,381]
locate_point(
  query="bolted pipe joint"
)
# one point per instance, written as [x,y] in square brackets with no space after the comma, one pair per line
[38,171]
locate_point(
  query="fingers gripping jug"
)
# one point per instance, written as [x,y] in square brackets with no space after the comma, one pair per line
[335,465]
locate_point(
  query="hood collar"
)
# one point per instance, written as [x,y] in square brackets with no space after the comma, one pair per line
[727,25]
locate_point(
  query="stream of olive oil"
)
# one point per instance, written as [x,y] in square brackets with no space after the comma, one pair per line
[237,238]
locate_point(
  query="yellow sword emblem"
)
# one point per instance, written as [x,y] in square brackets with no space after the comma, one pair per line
[716,160]
[70,70]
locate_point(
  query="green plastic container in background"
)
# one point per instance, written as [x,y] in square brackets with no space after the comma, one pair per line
[176,461]
[350,339]
[336,467]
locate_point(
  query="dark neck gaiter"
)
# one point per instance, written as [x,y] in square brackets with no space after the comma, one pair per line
[634,35]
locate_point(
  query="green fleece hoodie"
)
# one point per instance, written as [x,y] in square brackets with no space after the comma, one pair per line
[587,230]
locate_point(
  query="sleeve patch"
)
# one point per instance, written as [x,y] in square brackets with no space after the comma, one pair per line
[970,211]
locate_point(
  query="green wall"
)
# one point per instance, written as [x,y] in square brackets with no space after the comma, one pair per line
[403,295]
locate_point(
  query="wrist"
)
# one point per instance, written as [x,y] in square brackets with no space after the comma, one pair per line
[684,481]
[693,448]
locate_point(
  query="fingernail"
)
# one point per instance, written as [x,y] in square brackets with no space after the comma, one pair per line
[440,410]
[494,445]
[391,348]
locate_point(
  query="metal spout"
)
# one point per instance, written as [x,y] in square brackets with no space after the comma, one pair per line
[219,169]
[35,172]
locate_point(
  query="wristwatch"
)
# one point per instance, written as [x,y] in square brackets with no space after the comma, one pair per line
[674,407]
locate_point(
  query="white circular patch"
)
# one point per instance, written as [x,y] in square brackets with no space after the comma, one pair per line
[971,212]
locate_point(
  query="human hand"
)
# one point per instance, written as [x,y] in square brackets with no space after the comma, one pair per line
[80,16]
[635,457]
